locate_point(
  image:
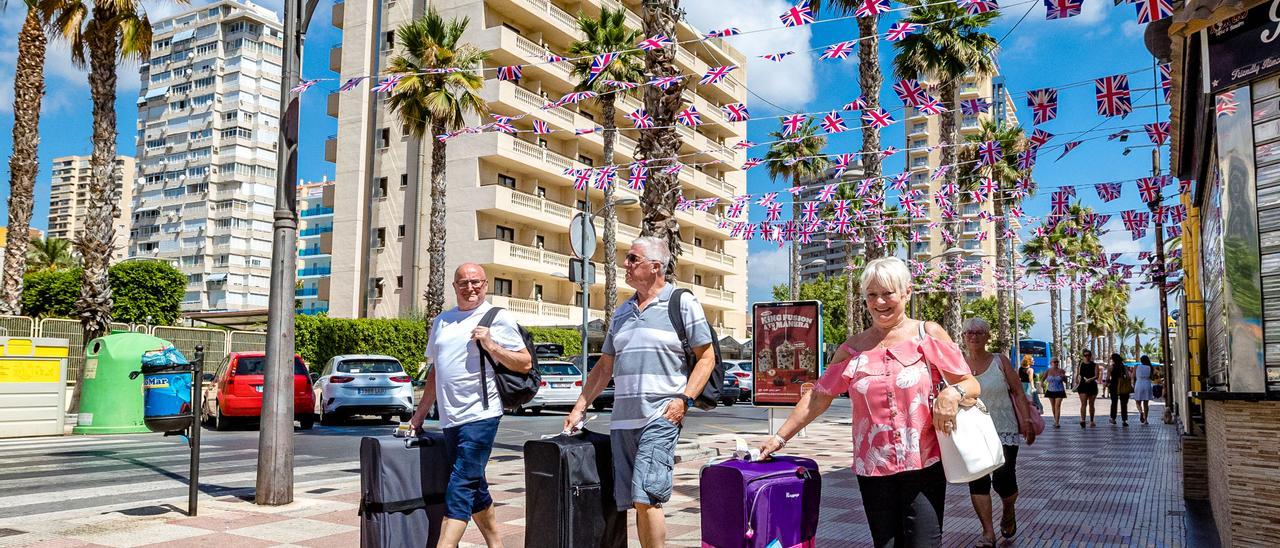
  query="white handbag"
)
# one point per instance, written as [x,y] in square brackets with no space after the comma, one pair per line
[972,449]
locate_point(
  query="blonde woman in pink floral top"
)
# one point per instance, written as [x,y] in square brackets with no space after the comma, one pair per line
[890,372]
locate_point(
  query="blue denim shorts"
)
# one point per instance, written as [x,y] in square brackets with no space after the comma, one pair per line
[643,459]
[468,447]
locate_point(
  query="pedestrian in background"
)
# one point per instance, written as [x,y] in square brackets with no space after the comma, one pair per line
[1142,387]
[1104,382]
[468,420]
[889,373]
[653,388]
[1088,388]
[1121,384]
[1055,380]
[1010,410]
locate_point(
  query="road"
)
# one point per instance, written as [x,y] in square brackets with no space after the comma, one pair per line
[129,472]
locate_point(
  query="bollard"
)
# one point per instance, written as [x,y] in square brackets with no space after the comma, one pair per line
[197,405]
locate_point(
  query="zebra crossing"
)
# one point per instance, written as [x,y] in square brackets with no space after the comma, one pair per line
[47,476]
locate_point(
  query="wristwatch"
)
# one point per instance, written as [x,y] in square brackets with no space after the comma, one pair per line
[688,402]
[959,390]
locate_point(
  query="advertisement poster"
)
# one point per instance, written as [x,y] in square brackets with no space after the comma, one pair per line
[787,351]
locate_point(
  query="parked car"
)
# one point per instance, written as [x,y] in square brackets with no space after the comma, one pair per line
[731,390]
[235,391]
[742,370]
[364,384]
[561,385]
[605,399]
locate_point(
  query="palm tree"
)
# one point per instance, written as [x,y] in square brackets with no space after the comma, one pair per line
[28,93]
[50,254]
[432,104]
[950,46]
[1044,247]
[797,159]
[604,35]
[1138,328]
[660,144]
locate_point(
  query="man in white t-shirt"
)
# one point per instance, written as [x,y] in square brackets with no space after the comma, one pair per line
[468,421]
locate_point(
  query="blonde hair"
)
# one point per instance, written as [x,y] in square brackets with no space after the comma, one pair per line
[890,272]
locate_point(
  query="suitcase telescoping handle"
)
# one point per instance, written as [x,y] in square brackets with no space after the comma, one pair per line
[414,441]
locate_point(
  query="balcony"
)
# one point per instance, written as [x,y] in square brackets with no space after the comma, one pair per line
[304,292]
[558,23]
[331,149]
[709,296]
[335,59]
[533,312]
[331,103]
[507,46]
[316,211]
[505,202]
[337,12]
[314,272]
[313,251]
[314,310]
[314,231]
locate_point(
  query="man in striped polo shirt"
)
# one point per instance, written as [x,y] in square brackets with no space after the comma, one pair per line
[653,386]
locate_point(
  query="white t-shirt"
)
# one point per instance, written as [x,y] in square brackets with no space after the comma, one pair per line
[456,360]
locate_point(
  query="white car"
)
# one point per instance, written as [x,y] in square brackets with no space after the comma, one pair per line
[364,384]
[742,370]
[561,386]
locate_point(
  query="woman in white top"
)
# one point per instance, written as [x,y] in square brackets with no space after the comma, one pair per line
[1001,392]
[1142,388]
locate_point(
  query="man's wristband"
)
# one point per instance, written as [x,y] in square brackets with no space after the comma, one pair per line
[782,442]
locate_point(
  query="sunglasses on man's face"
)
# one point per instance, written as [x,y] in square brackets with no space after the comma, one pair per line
[632,258]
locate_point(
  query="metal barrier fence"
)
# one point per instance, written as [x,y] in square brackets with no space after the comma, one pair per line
[217,342]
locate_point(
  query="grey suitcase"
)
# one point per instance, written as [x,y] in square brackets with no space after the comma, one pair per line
[402,486]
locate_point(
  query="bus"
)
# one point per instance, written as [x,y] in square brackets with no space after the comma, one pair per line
[1039,352]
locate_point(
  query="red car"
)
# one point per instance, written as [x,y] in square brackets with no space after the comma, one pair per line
[233,392]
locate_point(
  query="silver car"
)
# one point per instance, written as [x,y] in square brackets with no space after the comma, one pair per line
[561,386]
[364,384]
[743,371]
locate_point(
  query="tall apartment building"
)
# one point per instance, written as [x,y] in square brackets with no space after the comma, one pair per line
[69,199]
[818,257]
[208,120]
[315,245]
[509,202]
[923,131]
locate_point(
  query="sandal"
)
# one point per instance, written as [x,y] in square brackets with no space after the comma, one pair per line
[986,543]
[1008,526]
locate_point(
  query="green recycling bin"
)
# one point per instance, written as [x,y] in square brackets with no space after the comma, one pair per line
[110,401]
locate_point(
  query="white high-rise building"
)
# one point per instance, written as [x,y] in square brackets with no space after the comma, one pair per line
[69,200]
[208,120]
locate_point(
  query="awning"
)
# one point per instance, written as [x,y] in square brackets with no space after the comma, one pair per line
[216,277]
[237,319]
[183,35]
[156,92]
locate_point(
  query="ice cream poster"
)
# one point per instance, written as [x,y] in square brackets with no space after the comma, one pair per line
[787,350]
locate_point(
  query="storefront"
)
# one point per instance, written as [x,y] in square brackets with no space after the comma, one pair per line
[1225,99]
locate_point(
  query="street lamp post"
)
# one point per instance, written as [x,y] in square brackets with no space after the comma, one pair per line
[584,281]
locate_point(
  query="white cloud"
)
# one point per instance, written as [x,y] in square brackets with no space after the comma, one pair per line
[1119,240]
[790,83]
[765,269]
[1132,29]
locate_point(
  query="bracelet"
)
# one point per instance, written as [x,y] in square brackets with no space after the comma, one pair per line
[782,442]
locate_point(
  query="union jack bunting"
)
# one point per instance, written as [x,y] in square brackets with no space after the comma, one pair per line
[1134,220]
[748,231]
[940,172]
[673,169]
[576,96]
[971,107]
[878,118]
[900,30]
[736,210]
[303,86]
[1178,213]
[502,126]
[639,174]
[931,106]
[843,161]
[981,236]
[871,8]
[665,82]
[799,14]
[743,144]
[1150,11]
[1225,104]
[974,7]
[599,64]
[910,92]
[791,123]
[1039,137]
[1184,186]
[987,187]
[1173,231]
[731,31]
[1112,94]
[540,127]
[689,116]
[890,151]
[1122,135]
[775,57]
[512,73]
[388,85]
[841,50]
[620,85]
[839,225]
[581,177]
[1027,159]
[735,112]
[1062,9]
[1066,149]
[1016,212]
[553,58]
[1166,80]
[641,119]
[1059,203]
[795,190]
[901,180]
[864,186]
[810,211]
[1044,104]
[657,41]
[989,152]
[587,130]
[1158,132]
[351,83]
[605,176]
[842,209]
[767,198]
[833,123]
[1108,191]
[715,74]
[1149,189]
[827,193]
[773,211]
[856,104]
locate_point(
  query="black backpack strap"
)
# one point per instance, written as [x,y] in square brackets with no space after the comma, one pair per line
[677,321]
[486,321]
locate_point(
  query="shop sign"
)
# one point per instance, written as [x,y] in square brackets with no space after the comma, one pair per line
[1244,47]
[787,351]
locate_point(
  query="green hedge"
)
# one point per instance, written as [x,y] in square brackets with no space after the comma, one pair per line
[140,290]
[570,338]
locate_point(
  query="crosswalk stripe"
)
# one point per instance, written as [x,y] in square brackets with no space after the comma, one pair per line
[50,444]
[92,451]
[110,469]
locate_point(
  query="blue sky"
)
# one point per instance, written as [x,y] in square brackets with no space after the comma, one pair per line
[1104,40]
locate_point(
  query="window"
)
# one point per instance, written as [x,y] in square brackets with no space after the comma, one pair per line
[697,241]
[404,180]
[540,241]
[400,231]
[586,160]
[379,237]
[380,191]
[537,291]
[507,181]
[389,40]
[399,282]
[582,205]
[506,234]
[375,288]
[502,286]
[206,48]
[384,137]
[697,279]
[542,192]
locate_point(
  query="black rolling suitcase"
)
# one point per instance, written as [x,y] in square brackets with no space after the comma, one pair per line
[569,482]
[402,486]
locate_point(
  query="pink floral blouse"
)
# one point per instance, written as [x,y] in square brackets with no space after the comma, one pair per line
[890,390]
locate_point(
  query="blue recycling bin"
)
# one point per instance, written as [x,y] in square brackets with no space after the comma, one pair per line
[166,386]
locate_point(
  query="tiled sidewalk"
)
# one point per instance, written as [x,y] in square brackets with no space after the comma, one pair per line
[1100,486]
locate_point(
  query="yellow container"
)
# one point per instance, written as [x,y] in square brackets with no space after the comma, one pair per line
[33,386]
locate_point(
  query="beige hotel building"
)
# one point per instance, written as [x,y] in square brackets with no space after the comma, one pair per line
[509,202]
[69,200]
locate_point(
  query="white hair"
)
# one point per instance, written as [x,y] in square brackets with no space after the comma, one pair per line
[889,272]
[655,249]
[978,324]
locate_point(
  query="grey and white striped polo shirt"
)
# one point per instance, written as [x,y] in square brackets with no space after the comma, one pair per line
[648,366]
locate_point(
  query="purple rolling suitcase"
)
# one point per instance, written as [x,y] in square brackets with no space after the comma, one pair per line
[755,504]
